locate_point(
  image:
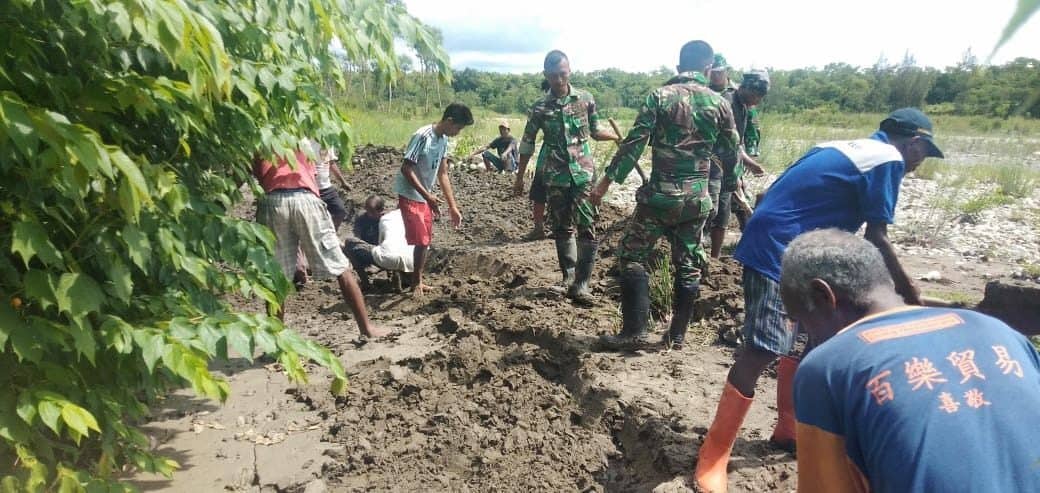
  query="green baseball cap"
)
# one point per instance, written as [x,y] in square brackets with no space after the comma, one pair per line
[757,81]
[720,63]
[912,122]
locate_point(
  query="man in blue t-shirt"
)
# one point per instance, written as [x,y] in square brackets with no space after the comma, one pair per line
[843,184]
[899,397]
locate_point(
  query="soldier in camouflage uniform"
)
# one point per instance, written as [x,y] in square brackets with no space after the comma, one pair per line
[718,81]
[567,119]
[685,120]
[752,89]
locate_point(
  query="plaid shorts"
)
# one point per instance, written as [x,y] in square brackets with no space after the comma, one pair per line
[300,221]
[766,326]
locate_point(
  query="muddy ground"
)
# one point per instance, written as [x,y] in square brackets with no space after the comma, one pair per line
[493,383]
[512,396]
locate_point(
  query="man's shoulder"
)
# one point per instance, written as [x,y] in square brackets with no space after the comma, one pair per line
[582,95]
[865,154]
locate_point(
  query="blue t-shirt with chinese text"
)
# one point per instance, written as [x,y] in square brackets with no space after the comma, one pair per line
[841,184]
[920,399]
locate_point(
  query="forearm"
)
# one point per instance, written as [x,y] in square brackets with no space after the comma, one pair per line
[521,166]
[878,235]
[409,175]
[602,135]
[445,183]
[334,168]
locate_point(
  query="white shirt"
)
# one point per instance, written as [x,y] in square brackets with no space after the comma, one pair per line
[393,251]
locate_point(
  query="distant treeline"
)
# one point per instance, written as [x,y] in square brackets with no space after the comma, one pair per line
[968,88]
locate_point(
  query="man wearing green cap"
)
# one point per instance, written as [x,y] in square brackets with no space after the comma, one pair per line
[753,88]
[686,121]
[843,185]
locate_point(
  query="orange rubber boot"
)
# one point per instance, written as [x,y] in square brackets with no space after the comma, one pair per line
[713,457]
[784,433]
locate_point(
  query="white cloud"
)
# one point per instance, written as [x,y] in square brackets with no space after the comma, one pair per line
[647,34]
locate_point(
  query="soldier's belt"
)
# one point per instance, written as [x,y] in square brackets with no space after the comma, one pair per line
[679,186]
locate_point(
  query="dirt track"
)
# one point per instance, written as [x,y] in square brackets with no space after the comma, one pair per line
[495,384]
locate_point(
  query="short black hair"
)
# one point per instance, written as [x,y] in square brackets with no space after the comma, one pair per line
[458,113]
[696,55]
[374,202]
[553,58]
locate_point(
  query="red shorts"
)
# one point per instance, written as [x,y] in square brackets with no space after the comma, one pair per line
[418,221]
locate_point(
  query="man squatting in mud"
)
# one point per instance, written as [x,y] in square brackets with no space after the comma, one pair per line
[687,123]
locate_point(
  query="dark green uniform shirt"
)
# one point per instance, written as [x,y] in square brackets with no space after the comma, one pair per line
[567,124]
[687,121]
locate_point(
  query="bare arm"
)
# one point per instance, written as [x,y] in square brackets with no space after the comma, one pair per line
[756,168]
[408,170]
[877,233]
[449,194]
[334,169]
[603,134]
[478,151]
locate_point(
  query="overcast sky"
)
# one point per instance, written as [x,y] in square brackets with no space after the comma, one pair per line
[642,35]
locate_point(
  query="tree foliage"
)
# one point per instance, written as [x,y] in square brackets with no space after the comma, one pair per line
[127,128]
[968,88]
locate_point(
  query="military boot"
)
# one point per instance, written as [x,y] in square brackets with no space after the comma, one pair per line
[567,254]
[635,311]
[684,297]
[579,291]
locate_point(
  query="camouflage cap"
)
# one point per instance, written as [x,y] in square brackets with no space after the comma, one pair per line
[720,63]
[756,80]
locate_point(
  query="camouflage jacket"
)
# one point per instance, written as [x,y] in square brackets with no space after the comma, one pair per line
[567,124]
[741,119]
[687,122]
[753,132]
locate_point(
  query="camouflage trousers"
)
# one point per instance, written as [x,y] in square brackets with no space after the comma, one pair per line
[680,219]
[569,210]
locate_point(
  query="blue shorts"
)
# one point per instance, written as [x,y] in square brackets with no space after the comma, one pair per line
[766,326]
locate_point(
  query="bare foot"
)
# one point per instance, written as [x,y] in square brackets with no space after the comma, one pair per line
[375,331]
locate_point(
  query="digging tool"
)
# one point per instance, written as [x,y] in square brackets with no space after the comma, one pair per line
[642,174]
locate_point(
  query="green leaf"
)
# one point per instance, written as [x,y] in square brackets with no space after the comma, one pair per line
[79,419]
[14,429]
[40,286]
[26,343]
[10,321]
[129,201]
[1025,10]
[117,334]
[78,295]
[26,407]
[28,240]
[339,386]
[82,333]
[152,346]
[121,280]
[239,339]
[138,246]
[50,411]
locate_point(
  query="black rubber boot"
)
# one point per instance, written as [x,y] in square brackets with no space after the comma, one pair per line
[635,310]
[683,299]
[567,254]
[579,291]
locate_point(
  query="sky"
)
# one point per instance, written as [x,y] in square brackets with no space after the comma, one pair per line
[643,35]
